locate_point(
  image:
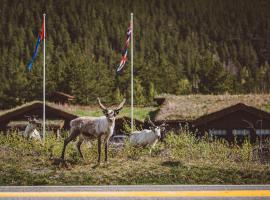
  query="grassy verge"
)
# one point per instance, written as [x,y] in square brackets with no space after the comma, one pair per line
[182,159]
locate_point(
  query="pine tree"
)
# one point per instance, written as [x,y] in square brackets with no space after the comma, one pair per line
[184,87]
[138,93]
[151,92]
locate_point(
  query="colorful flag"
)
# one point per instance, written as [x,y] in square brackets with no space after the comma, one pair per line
[125,51]
[41,36]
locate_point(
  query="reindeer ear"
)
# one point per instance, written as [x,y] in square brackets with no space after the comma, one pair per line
[152,128]
[105,112]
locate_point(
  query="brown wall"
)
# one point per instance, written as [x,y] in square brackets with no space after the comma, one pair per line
[236,120]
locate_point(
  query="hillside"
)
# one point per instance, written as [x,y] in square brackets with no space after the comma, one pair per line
[181,47]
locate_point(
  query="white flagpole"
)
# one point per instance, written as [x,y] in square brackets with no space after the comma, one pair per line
[132,31]
[44,81]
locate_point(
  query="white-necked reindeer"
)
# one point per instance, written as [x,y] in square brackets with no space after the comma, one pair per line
[89,128]
[147,137]
[31,131]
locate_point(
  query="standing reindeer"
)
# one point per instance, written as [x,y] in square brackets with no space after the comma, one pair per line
[89,128]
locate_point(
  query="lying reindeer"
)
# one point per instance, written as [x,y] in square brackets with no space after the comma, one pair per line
[89,128]
[31,131]
[147,137]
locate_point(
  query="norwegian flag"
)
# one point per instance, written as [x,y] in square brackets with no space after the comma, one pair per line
[125,51]
[41,37]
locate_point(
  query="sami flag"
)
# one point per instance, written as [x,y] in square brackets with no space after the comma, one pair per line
[41,36]
[125,51]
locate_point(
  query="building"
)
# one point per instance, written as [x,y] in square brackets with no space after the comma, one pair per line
[232,117]
[61,98]
[236,122]
[56,119]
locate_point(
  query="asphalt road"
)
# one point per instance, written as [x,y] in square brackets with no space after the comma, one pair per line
[187,192]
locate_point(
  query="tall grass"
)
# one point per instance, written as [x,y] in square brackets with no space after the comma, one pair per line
[182,158]
[190,149]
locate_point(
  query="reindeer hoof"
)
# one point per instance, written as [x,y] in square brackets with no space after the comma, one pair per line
[60,162]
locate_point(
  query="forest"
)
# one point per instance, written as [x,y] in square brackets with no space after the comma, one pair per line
[180,47]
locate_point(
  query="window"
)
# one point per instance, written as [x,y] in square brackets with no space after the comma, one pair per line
[263,132]
[241,132]
[218,132]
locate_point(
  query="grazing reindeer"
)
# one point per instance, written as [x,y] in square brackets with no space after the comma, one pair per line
[30,131]
[147,137]
[88,128]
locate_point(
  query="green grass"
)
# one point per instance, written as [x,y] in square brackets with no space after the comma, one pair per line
[182,159]
[140,113]
[266,107]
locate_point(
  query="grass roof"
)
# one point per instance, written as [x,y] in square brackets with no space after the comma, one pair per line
[2,112]
[30,104]
[189,107]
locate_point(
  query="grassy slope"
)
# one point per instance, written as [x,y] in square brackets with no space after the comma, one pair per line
[139,112]
[24,163]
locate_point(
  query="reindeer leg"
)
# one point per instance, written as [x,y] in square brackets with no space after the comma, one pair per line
[106,151]
[99,148]
[106,140]
[72,136]
[79,144]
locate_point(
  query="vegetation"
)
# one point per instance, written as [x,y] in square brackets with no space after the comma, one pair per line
[140,113]
[181,159]
[189,46]
[194,106]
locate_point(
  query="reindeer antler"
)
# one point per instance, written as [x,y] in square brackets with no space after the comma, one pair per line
[164,124]
[120,105]
[149,120]
[250,125]
[101,105]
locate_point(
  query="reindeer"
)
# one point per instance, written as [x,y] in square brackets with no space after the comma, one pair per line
[147,137]
[89,128]
[30,131]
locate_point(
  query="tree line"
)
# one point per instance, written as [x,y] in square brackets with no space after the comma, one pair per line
[180,47]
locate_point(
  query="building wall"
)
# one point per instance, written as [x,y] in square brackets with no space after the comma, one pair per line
[238,120]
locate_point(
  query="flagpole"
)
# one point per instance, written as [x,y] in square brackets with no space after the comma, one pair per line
[132,31]
[44,82]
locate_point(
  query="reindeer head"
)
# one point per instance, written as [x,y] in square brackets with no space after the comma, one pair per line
[109,113]
[158,130]
[32,121]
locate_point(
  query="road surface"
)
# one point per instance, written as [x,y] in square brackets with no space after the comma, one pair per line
[187,192]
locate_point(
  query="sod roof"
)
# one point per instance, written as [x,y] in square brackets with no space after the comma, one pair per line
[31,108]
[190,107]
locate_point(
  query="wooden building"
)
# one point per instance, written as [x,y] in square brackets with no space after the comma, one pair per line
[61,98]
[220,116]
[123,124]
[56,119]
[235,122]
